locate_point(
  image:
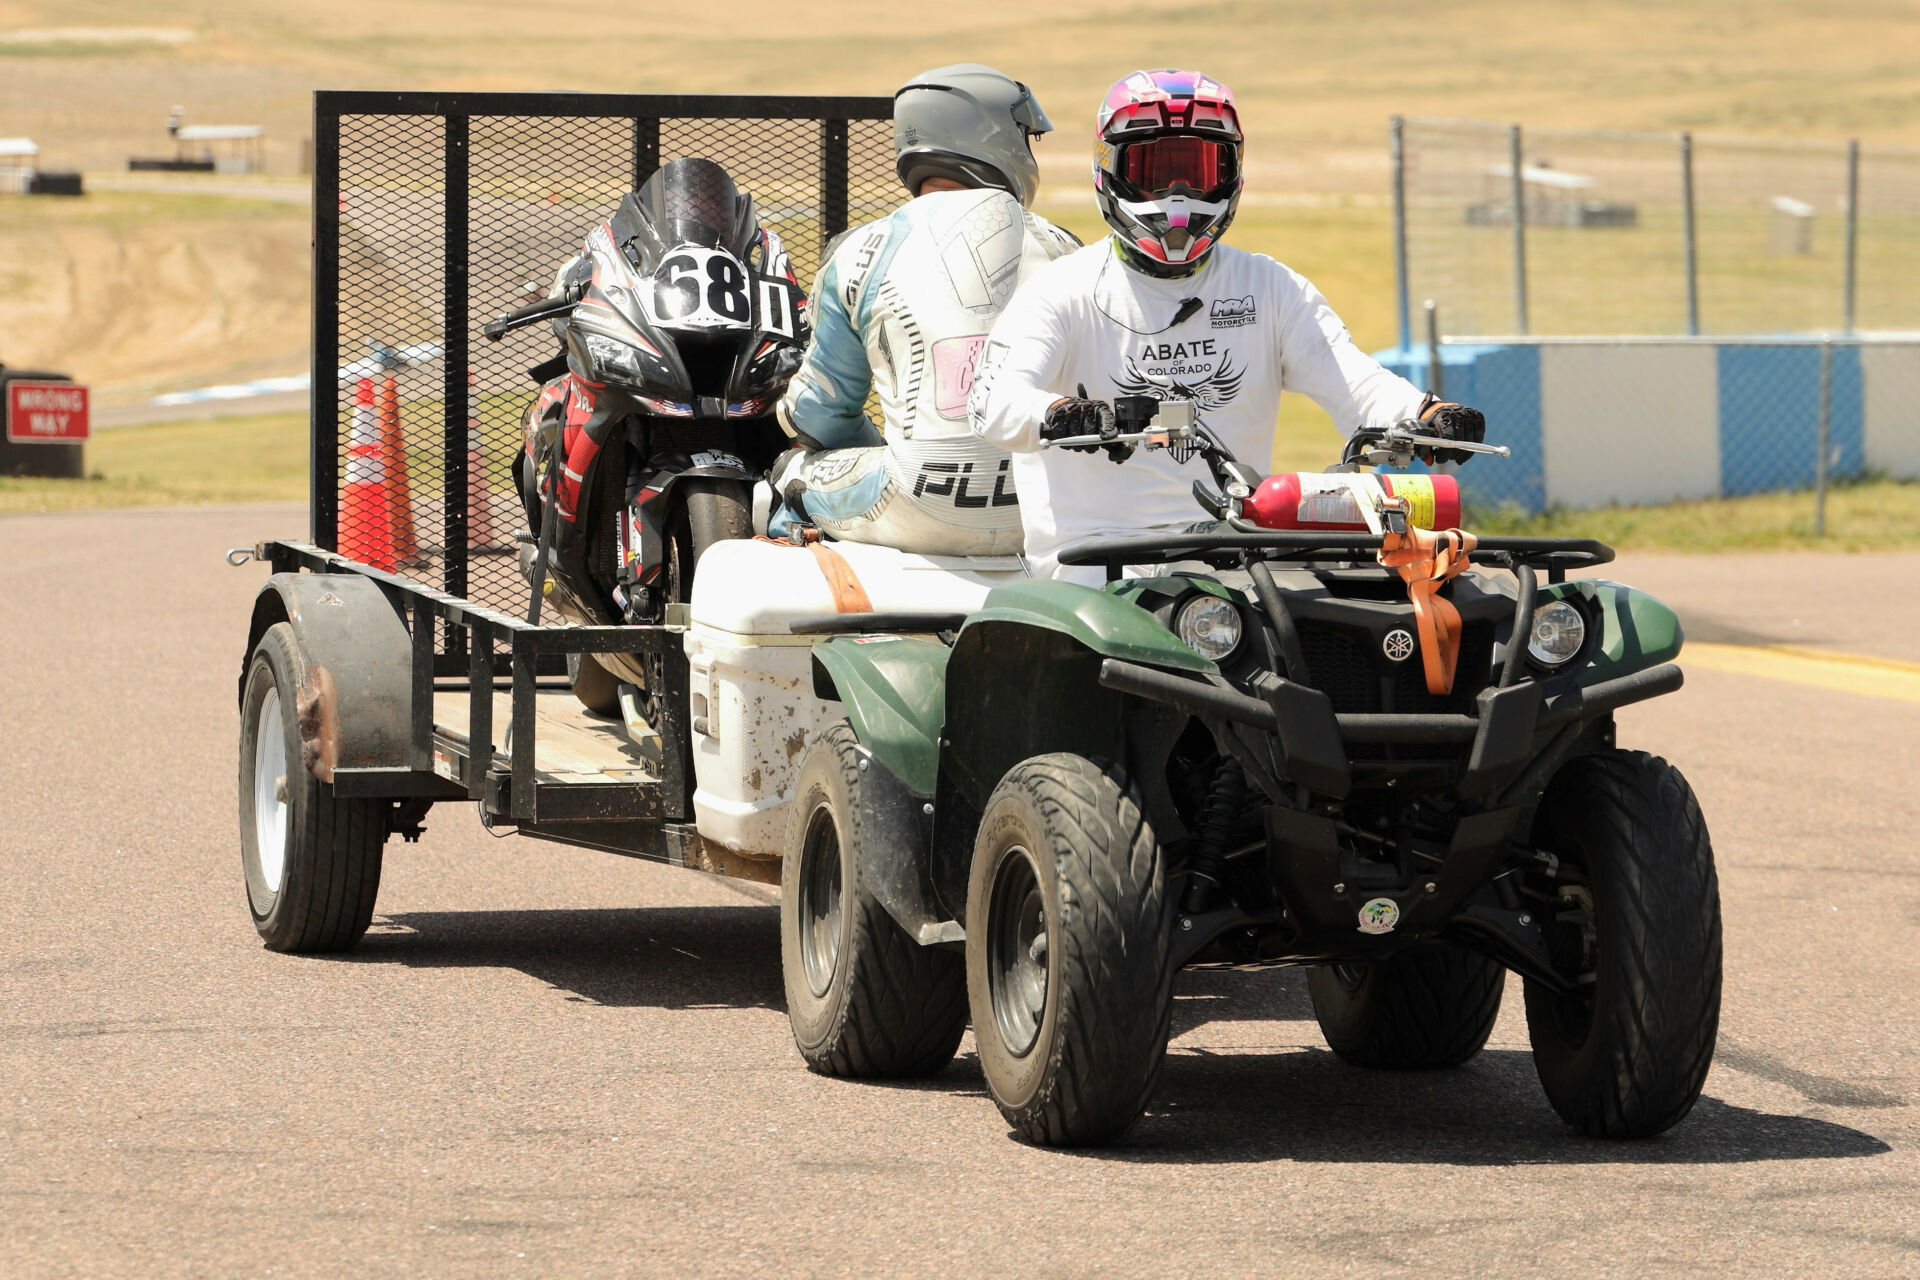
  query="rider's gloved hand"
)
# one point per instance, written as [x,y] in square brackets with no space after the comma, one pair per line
[1451,422]
[1078,416]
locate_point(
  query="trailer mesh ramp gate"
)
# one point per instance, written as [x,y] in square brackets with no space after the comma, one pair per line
[435,212]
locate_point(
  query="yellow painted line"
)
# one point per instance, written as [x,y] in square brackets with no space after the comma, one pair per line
[1820,668]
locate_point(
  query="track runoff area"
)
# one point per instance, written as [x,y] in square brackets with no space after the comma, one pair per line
[545,1060]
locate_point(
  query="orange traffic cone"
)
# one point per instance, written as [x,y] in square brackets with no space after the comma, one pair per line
[366,520]
[406,548]
[479,494]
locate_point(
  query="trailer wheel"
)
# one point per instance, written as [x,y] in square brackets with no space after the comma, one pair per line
[864,999]
[1068,971]
[1432,1005]
[1638,912]
[311,859]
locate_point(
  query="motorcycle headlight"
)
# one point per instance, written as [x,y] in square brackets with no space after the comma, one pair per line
[1557,633]
[612,357]
[1210,626]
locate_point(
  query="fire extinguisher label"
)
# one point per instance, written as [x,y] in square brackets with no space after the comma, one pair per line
[1418,493]
[1330,499]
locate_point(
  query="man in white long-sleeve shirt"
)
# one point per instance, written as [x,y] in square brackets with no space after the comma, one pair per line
[1161,308]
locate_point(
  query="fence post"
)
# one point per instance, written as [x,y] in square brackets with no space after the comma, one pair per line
[1402,294]
[1436,372]
[1826,427]
[1519,231]
[455,490]
[833,182]
[323,476]
[646,149]
[1686,211]
[1853,228]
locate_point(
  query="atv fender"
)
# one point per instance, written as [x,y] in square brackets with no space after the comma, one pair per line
[1024,680]
[354,707]
[893,689]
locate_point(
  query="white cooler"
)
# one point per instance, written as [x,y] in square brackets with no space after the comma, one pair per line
[751,680]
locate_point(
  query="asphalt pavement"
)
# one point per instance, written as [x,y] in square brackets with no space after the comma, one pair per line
[547,1061]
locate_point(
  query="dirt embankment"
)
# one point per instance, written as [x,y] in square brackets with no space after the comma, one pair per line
[139,293]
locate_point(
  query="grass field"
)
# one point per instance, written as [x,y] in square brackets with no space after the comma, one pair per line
[260,459]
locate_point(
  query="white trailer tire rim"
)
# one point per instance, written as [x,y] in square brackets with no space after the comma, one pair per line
[269,792]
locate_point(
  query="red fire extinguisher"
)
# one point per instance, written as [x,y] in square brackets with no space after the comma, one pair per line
[1323,500]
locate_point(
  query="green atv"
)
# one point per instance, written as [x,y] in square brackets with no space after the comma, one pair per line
[1034,814]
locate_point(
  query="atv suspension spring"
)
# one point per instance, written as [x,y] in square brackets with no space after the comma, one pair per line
[1226,799]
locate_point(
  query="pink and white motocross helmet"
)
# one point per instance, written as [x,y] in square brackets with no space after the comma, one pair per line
[1166,167]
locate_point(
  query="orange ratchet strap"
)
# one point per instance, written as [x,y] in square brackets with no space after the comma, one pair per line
[1428,560]
[848,595]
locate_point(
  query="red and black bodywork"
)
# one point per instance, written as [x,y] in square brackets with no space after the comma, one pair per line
[680,323]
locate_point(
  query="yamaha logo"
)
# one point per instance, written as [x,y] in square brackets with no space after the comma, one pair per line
[1398,645]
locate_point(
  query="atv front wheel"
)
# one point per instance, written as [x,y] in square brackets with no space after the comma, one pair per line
[1067,951]
[863,998]
[1638,914]
[1432,1005]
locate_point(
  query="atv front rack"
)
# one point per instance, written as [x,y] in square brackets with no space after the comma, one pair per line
[1555,555]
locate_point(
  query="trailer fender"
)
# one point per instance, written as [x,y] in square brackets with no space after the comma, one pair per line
[355,695]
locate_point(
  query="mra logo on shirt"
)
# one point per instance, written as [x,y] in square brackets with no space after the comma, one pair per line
[1232,313]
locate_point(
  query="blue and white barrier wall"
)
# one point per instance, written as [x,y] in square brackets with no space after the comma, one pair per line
[1637,421]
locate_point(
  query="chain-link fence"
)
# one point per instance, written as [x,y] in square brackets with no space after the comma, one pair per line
[1596,422]
[1645,233]
[436,212]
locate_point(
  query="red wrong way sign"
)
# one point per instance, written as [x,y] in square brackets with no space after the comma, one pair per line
[47,413]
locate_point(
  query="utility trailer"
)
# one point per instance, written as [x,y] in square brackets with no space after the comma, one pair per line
[433,213]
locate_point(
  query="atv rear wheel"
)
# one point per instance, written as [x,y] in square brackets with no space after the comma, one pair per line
[1432,1005]
[1068,972]
[863,998]
[1639,915]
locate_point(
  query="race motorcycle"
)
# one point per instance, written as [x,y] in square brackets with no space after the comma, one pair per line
[680,322]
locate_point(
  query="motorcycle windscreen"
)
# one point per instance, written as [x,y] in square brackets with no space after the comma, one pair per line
[693,202]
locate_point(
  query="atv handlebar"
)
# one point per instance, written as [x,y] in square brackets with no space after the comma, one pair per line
[1162,438]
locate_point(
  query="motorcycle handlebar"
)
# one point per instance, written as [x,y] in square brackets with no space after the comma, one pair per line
[520,317]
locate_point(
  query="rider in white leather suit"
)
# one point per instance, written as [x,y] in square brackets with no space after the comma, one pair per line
[902,309]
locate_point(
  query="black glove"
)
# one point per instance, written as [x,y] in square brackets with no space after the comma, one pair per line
[1078,416]
[1451,421]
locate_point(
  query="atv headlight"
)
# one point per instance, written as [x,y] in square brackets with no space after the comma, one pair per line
[1557,633]
[1210,626]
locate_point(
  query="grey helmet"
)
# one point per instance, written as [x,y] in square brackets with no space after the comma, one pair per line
[969,123]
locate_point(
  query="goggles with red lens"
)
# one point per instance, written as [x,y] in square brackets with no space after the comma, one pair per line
[1159,165]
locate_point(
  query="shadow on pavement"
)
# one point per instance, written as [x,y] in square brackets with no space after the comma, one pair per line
[658,957]
[1308,1105]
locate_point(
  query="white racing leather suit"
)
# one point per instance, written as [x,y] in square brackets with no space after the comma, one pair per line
[1252,329]
[902,308]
